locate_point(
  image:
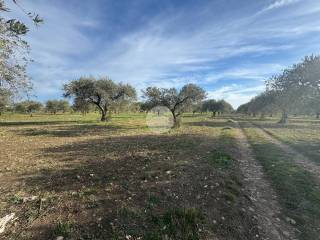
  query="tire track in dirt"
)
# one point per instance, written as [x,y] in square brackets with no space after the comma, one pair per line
[262,195]
[297,157]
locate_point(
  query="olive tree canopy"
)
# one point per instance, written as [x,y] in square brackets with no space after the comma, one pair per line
[101,92]
[14,51]
[176,101]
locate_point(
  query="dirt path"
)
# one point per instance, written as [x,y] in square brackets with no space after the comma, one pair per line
[297,157]
[262,195]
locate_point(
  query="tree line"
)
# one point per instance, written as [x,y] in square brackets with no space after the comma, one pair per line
[295,90]
[105,96]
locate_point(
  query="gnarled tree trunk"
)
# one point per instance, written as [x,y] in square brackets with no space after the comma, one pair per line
[284,117]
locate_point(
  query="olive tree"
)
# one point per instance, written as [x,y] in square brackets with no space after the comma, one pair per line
[33,106]
[286,93]
[297,87]
[215,107]
[54,106]
[101,92]
[210,106]
[14,50]
[82,106]
[224,107]
[309,80]
[176,101]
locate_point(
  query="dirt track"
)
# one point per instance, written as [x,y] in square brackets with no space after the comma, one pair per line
[261,193]
[297,157]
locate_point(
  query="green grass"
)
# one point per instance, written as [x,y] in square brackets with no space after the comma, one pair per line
[221,160]
[63,228]
[299,191]
[179,223]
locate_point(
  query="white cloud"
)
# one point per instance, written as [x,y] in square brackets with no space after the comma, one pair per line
[236,94]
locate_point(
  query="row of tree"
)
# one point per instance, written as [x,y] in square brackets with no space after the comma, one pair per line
[105,95]
[30,107]
[295,90]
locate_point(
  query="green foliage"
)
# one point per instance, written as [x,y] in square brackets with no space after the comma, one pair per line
[221,160]
[16,199]
[214,106]
[102,92]
[295,90]
[55,106]
[176,101]
[5,99]
[28,107]
[14,51]
[63,229]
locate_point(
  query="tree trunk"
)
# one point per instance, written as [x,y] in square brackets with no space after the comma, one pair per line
[176,122]
[103,111]
[284,117]
[103,116]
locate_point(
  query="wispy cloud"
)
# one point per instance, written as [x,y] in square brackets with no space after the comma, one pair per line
[279,4]
[236,94]
[204,43]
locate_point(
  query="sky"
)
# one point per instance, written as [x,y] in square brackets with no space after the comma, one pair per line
[228,47]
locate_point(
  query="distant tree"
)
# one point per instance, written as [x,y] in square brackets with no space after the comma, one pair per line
[14,51]
[20,107]
[135,107]
[210,106]
[79,105]
[64,106]
[144,106]
[33,106]
[217,107]
[197,107]
[224,107]
[101,92]
[176,101]
[55,106]
[52,106]
[5,99]
[243,108]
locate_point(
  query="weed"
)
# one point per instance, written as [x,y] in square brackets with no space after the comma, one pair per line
[16,199]
[221,160]
[63,229]
[177,223]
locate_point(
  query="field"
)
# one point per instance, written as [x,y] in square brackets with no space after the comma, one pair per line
[228,177]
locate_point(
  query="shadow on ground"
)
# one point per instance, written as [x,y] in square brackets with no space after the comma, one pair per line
[118,186]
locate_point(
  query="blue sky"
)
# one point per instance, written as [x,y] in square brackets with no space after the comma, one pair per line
[229,47]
